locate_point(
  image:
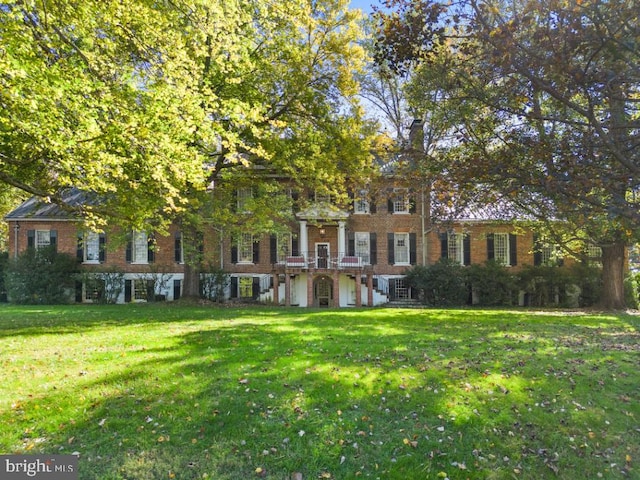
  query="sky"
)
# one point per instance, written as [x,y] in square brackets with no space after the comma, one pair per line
[364,5]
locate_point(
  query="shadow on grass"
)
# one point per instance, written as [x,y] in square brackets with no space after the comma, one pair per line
[359,393]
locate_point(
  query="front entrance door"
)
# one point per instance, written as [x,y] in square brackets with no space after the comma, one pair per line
[323,291]
[322,255]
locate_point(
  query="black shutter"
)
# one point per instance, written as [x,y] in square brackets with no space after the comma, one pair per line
[80,248]
[412,205]
[444,245]
[389,205]
[78,292]
[151,253]
[466,249]
[351,244]
[392,289]
[234,253]
[256,252]
[31,238]
[151,291]
[295,248]
[491,250]
[273,249]
[129,250]
[234,201]
[372,206]
[177,289]
[234,287]
[412,248]
[53,239]
[391,250]
[102,248]
[177,247]
[255,288]
[513,250]
[373,248]
[127,291]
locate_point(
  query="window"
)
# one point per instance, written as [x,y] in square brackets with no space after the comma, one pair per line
[91,246]
[401,201]
[501,248]
[139,248]
[401,248]
[363,247]
[361,204]
[178,245]
[594,254]
[140,289]
[245,248]
[283,246]
[43,238]
[243,198]
[456,248]
[245,287]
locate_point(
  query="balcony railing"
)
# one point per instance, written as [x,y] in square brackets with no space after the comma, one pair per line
[331,262]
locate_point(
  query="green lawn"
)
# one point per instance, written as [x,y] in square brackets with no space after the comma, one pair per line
[165,391]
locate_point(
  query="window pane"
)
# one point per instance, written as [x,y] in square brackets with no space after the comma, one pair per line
[501,248]
[245,248]
[362,246]
[401,250]
[245,287]
[455,252]
[140,248]
[43,238]
[91,247]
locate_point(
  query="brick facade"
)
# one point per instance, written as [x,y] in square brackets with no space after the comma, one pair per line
[357,284]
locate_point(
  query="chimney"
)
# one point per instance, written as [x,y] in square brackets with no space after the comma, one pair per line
[416,135]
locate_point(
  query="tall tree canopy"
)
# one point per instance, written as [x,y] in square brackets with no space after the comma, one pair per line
[149,103]
[542,100]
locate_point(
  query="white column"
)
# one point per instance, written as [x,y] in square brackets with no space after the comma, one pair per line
[304,242]
[342,239]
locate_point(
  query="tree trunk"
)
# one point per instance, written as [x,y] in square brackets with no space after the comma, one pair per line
[613,270]
[191,282]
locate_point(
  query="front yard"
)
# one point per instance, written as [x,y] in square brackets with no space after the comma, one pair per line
[187,392]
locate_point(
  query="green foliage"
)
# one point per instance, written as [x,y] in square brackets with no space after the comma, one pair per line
[440,284]
[4,261]
[632,290]
[41,276]
[492,284]
[106,285]
[213,284]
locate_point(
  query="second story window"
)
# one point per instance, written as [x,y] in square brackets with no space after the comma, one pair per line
[501,248]
[243,199]
[91,247]
[401,248]
[245,248]
[363,247]
[42,238]
[140,248]
[400,202]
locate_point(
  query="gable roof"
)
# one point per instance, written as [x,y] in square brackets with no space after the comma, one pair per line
[37,208]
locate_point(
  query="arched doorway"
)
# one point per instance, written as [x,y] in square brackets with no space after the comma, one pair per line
[323,291]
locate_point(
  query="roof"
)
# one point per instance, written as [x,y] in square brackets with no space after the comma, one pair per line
[37,208]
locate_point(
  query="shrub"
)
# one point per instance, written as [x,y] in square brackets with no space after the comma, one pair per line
[41,276]
[441,284]
[4,260]
[213,284]
[492,284]
[106,286]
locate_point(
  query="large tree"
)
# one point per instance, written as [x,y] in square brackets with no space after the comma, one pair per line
[542,100]
[155,105]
